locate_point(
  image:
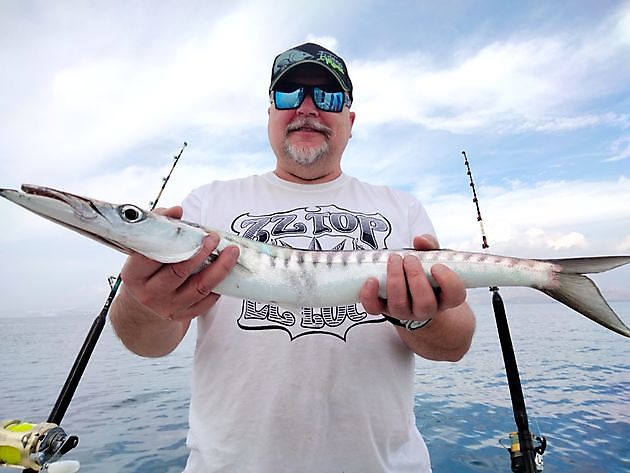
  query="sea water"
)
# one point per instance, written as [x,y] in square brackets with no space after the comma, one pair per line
[130,413]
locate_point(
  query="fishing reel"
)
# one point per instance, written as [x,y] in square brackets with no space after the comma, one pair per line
[517,456]
[36,447]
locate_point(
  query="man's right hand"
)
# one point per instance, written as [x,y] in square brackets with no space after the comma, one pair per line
[175,291]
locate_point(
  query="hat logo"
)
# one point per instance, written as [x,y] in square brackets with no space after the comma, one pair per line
[331,61]
[288,58]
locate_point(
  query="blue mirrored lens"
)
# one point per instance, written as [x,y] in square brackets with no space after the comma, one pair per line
[323,100]
[327,101]
[288,100]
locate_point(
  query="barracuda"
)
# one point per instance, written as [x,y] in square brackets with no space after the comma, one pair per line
[300,278]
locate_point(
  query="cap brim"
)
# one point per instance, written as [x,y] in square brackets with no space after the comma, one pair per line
[308,62]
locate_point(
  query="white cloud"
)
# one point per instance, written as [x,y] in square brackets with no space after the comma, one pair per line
[551,124]
[544,220]
[513,84]
[327,41]
[620,149]
[556,241]
[92,84]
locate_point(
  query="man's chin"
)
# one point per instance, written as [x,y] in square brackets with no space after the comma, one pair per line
[305,158]
[306,138]
[306,155]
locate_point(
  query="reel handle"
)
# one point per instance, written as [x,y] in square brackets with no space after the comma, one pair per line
[33,446]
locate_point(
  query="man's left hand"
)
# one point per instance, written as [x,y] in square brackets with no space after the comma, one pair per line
[410,296]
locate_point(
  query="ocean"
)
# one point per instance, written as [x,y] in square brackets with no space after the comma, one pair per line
[130,413]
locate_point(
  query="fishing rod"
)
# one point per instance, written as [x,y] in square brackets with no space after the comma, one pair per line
[525,457]
[36,447]
[70,386]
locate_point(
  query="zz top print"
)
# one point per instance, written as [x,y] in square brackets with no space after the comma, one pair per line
[311,228]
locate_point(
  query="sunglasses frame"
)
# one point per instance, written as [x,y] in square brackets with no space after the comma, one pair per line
[310,90]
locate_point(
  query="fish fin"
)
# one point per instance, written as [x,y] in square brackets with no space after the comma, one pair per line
[589,265]
[212,257]
[581,294]
[243,268]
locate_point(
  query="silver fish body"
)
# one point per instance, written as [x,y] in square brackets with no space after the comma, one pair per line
[301,278]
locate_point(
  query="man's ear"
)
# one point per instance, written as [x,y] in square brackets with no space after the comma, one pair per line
[352,116]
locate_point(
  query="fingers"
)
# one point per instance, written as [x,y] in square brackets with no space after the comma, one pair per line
[139,268]
[204,282]
[172,212]
[409,293]
[179,291]
[453,290]
[196,295]
[423,303]
[174,275]
[398,297]
[425,242]
[369,298]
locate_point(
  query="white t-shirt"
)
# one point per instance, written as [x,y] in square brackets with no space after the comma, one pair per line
[316,390]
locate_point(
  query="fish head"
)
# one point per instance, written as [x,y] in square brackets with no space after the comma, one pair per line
[125,227]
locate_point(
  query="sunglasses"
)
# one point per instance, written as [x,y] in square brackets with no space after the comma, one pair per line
[325,98]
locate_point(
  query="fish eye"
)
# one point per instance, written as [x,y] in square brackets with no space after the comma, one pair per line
[131,213]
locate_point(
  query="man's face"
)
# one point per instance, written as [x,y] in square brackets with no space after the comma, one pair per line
[306,136]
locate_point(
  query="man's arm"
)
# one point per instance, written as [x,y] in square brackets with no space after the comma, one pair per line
[410,297]
[141,330]
[157,301]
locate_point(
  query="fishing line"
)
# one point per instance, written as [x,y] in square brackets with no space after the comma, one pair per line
[524,456]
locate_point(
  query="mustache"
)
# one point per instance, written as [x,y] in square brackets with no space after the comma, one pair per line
[307,122]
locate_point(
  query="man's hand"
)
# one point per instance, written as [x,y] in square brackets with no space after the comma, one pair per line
[173,291]
[411,297]
[409,293]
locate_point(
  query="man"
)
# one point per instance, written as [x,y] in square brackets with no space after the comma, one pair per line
[282,389]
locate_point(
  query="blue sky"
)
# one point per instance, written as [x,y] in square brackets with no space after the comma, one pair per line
[98,96]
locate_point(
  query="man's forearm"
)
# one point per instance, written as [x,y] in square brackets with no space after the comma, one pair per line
[446,338]
[142,331]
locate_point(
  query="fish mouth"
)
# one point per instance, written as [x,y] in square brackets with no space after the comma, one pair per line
[42,191]
[81,206]
[77,213]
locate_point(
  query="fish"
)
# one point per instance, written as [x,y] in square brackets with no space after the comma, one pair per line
[305,278]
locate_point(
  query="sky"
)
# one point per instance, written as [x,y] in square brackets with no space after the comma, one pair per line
[96,97]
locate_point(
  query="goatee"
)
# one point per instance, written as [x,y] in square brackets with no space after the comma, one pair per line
[306,155]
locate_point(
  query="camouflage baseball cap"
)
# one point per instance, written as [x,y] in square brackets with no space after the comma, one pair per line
[314,54]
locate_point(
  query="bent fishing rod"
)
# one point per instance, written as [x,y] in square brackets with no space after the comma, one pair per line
[37,447]
[525,457]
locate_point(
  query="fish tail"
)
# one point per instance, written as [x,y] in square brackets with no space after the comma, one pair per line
[589,265]
[581,294]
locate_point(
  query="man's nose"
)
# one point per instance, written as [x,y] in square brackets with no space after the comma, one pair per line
[307,107]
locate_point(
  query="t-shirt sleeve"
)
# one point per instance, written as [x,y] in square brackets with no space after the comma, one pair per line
[419,221]
[192,206]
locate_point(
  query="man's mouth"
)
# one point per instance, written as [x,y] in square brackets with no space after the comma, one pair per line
[306,128]
[306,125]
